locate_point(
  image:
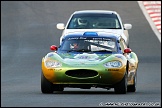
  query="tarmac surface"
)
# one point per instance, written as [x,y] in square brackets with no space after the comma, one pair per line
[28,29]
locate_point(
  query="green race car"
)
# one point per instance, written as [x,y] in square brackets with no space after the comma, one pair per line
[90,59]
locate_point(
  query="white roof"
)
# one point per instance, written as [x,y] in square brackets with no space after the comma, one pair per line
[95,11]
[98,32]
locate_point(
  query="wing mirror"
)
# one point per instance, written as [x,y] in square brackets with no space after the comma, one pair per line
[127,50]
[127,26]
[53,47]
[60,26]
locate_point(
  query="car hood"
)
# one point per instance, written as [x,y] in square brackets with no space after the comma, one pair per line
[81,59]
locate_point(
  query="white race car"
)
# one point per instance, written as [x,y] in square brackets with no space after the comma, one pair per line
[95,20]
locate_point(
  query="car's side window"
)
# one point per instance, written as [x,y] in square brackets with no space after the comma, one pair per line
[122,44]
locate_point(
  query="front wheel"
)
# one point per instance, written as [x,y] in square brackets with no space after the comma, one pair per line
[121,87]
[46,86]
[132,88]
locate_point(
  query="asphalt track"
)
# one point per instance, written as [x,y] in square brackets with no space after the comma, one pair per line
[28,29]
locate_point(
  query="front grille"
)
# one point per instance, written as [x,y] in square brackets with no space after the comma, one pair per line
[81,73]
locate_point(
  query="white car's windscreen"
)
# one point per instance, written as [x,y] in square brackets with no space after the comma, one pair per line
[94,21]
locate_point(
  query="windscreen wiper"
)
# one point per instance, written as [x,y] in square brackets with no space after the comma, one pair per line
[103,51]
[71,51]
[83,50]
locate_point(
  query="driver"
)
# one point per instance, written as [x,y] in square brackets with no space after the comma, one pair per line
[74,46]
[82,22]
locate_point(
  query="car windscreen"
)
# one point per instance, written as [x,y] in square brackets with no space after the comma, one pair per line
[94,21]
[89,44]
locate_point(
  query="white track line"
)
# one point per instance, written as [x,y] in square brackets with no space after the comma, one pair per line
[157,30]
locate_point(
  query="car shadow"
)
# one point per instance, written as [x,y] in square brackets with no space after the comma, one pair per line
[84,92]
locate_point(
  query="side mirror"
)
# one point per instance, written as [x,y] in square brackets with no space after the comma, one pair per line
[127,50]
[127,26]
[60,26]
[53,48]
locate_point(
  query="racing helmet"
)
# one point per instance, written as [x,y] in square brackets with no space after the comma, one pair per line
[74,45]
[82,21]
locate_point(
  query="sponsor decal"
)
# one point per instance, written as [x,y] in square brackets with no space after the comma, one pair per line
[113,69]
[85,56]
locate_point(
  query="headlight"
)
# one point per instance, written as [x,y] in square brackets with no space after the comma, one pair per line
[113,64]
[52,64]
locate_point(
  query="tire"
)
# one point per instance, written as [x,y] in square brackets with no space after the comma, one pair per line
[132,88]
[46,86]
[121,87]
